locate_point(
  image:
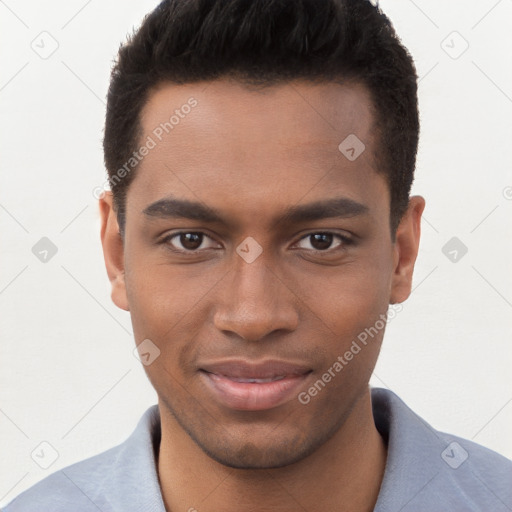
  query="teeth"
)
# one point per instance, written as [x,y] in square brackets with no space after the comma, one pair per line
[258,381]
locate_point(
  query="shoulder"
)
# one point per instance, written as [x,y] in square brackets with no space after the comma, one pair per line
[473,474]
[121,478]
[428,470]
[74,487]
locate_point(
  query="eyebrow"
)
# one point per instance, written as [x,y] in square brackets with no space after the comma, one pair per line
[173,208]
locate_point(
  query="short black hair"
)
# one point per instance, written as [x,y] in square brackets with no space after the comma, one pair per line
[267,42]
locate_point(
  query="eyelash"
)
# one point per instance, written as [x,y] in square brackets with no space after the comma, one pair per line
[345,241]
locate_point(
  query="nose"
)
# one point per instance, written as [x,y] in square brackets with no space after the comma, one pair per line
[253,302]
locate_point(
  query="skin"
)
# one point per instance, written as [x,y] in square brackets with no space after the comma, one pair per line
[250,155]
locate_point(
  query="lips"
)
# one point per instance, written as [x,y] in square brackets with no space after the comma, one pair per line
[257,381]
[244,385]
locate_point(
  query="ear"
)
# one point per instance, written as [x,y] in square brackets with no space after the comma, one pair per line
[406,250]
[113,250]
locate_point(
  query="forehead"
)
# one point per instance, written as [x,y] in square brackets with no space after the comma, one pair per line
[284,114]
[226,142]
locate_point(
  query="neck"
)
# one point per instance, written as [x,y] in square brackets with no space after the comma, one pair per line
[344,474]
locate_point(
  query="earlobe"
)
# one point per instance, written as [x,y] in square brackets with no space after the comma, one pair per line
[406,250]
[113,251]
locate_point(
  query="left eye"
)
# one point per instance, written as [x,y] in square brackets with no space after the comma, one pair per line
[189,241]
[322,241]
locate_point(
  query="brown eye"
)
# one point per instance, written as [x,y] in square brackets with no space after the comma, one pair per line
[191,241]
[322,241]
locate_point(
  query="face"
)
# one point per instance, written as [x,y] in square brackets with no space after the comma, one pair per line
[255,254]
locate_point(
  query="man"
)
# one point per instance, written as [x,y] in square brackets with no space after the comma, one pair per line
[259,225]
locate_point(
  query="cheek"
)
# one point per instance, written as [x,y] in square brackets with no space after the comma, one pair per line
[348,319]
[348,297]
[165,301]
[348,323]
[169,310]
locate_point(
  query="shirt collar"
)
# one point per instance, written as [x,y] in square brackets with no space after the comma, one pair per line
[414,451]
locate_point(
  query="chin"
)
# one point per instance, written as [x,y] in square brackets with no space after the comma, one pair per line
[252,456]
[274,449]
[265,444]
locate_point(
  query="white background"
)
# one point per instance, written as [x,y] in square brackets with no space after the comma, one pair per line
[68,375]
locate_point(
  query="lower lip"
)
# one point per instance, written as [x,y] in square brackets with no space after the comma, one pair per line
[253,396]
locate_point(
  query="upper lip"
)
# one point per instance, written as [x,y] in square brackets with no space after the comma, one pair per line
[266,369]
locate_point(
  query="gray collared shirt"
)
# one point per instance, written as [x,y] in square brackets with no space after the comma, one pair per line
[426,471]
